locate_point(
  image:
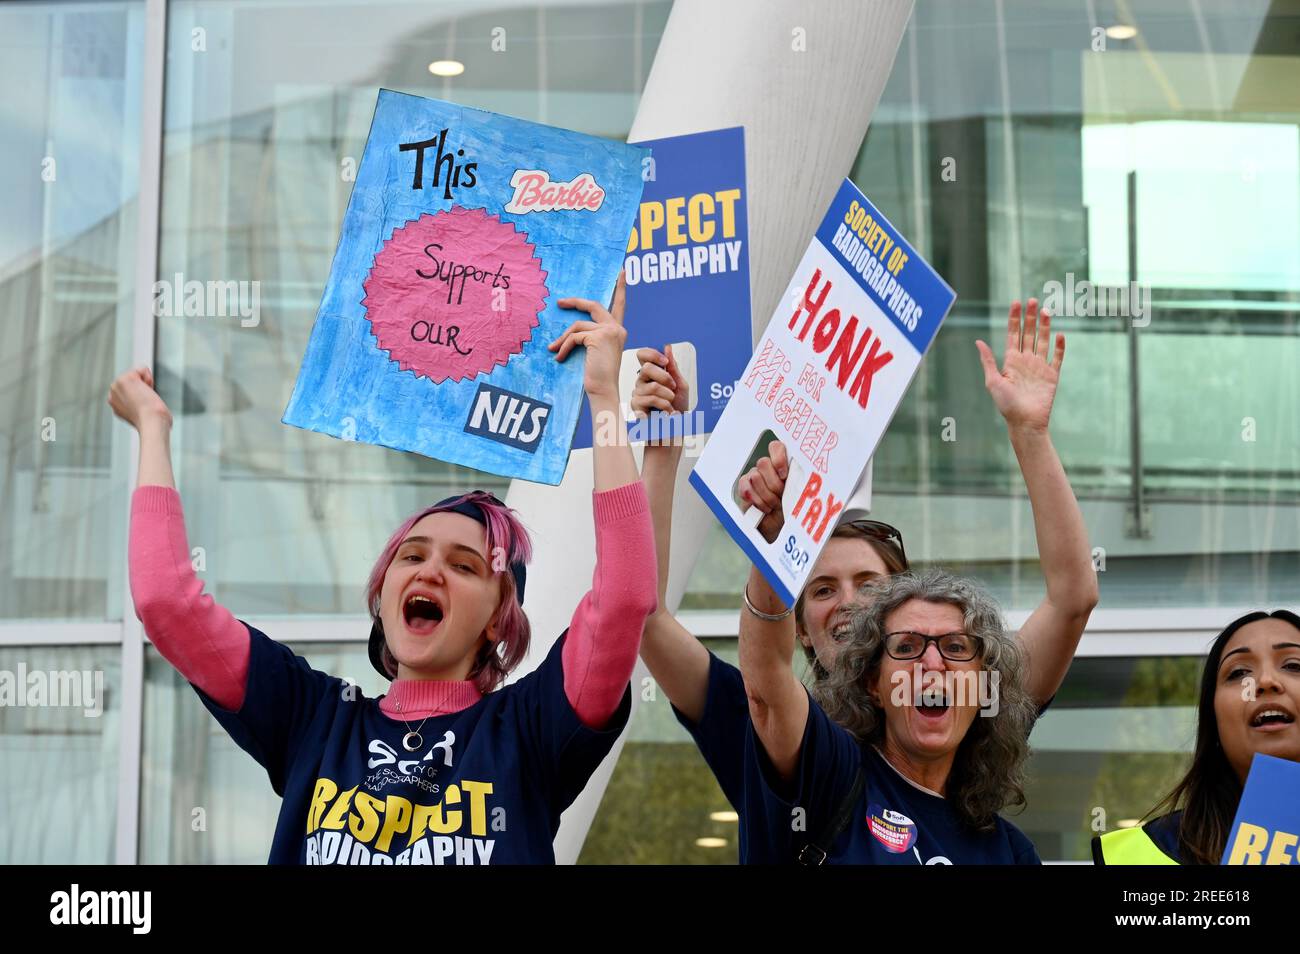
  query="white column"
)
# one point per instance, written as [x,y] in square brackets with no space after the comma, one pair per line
[803,79]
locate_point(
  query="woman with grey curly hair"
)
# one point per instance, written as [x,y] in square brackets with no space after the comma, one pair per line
[908,749]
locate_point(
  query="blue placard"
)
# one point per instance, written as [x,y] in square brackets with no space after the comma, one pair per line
[463,229]
[1266,830]
[868,246]
[688,267]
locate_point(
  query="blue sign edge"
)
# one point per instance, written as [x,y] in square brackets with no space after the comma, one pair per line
[825,231]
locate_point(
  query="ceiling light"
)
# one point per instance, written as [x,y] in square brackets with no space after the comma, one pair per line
[724,817]
[1122,31]
[710,843]
[446,67]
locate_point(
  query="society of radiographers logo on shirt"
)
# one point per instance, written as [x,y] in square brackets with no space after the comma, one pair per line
[894,831]
[419,772]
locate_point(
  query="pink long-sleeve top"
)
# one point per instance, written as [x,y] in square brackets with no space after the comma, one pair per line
[210,648]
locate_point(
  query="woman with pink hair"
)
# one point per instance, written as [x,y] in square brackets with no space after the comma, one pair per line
[449,766]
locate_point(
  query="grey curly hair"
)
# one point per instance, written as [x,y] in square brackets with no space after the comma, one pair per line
[988,771]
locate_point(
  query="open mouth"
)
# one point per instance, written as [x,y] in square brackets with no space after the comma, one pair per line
[1268,718]
[421,613]
[931,707]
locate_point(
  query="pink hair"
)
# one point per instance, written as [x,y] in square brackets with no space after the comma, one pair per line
[508,543]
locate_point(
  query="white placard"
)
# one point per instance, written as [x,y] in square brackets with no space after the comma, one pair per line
[825,379]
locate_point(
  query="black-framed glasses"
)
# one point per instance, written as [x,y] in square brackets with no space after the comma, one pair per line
[886,533]
[954,647]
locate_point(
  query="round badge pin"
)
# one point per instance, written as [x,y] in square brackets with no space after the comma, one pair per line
[895,832]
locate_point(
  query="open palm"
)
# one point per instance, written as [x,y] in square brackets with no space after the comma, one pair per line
[603,337]
[1024,389]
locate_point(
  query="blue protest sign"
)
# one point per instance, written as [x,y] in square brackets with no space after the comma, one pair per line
[687,269]
[463,229]
[1266,830]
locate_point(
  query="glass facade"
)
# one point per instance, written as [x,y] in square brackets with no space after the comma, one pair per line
[1023,150]
[59,754]
[67,243]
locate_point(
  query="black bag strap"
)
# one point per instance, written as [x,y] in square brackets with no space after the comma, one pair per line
[812,853]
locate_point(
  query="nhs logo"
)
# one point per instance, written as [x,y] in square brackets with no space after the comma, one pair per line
[507,418]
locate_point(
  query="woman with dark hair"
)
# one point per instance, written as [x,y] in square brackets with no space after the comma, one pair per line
[450,766]
[709,696]
[1249,703]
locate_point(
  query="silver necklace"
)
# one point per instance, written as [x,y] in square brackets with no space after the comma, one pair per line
[412,741]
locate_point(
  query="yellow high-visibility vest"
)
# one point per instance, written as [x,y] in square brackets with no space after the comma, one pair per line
[1128,846]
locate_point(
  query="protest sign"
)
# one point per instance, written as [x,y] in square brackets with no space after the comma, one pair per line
[1266,830]
[463,229]
[825,379]
[687,272]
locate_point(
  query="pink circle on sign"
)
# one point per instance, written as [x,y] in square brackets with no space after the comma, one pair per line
[454,294]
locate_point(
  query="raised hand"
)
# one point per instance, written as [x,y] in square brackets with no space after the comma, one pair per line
[133,398]
[762,486]
[603,337]
[1024,389]
[660,384]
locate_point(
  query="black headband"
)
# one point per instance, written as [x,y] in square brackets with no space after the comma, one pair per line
[472,510]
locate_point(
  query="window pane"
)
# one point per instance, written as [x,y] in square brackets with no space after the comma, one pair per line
[1116,739]
[68,186]
[58,754]
[1178,419]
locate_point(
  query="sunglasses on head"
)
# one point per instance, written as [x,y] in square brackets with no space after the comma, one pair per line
[879,530]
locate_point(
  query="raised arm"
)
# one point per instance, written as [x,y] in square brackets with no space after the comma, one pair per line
[1023,392]
[197,635]
[778,701]
[677,660]
[604,634]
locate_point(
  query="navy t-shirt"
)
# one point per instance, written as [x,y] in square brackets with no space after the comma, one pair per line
[487,785]
[893,822]
[720,733]
[1164,832]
